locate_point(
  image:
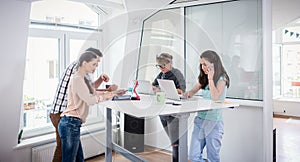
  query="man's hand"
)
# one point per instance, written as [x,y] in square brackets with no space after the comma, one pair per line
[104,77]
[155,89]
[179,91]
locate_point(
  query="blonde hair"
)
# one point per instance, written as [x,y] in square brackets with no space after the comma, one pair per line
[164,58]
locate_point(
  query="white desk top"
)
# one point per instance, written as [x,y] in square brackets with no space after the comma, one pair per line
[148,107]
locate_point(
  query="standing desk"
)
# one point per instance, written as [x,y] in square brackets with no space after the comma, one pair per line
[148,107]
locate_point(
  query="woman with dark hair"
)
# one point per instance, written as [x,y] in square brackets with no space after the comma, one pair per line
[208,125]
[81,94]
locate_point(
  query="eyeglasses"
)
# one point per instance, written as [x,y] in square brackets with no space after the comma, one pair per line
[161,66]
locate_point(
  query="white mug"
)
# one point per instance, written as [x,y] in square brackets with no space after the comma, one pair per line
[160,97]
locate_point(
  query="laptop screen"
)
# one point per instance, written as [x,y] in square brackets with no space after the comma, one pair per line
[144,87]
[169,88]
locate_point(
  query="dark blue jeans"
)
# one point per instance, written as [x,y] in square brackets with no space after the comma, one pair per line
[69,132]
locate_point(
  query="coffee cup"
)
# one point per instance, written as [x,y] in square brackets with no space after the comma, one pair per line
[160,97]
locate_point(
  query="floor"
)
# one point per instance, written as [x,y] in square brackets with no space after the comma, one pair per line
[150,154]
[287,139]
[287,144]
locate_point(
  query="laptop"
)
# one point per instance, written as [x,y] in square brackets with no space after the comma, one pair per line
[169,88]
[145,87]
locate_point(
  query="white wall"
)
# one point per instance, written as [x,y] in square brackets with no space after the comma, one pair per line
[14,29]
[286,106]
[242,140]
[243,137]
[14,16]
[283,12]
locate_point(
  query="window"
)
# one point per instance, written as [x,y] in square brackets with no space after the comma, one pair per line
[276,51]
[290,58]
[38,86]
[49,50]
[62,11]
[53,66]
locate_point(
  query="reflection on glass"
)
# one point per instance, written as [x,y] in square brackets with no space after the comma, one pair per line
[232,29]
[203,31]
[162,33]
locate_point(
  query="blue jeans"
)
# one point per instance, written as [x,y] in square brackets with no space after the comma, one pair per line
[206,133]
[69,132]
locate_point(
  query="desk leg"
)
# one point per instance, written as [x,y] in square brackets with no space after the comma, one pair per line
[108,149]
[183,137]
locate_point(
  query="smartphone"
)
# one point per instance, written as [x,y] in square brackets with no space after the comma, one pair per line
[210,66]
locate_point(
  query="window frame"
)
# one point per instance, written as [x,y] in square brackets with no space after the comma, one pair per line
[64,38]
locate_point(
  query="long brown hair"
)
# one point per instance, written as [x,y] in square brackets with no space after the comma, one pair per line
[213,58]
[87,57]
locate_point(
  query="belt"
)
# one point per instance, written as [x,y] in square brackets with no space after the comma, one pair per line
[72,117]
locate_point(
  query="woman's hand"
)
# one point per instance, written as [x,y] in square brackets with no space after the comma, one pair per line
[108,96]
[187,94]
[120,92]
[211,71]
[112,87]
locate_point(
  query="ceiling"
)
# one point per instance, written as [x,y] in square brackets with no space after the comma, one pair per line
[284,12]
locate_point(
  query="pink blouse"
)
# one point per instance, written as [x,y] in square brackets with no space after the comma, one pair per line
[79,98]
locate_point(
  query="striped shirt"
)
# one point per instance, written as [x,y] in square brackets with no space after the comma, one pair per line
[61,95]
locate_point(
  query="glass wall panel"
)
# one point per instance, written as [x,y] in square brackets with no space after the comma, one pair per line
[162,33]
[232,29]
[203,32]
[242,47]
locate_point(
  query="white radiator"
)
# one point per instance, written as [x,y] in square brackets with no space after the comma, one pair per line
[92,144]
[43,153]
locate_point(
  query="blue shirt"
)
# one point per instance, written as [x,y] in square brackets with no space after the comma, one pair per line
[215,114]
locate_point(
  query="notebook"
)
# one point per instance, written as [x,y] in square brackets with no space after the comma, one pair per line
[169,88]
[145,87]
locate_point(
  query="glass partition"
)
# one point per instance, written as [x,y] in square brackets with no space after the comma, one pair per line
[232,29]
[162,33]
